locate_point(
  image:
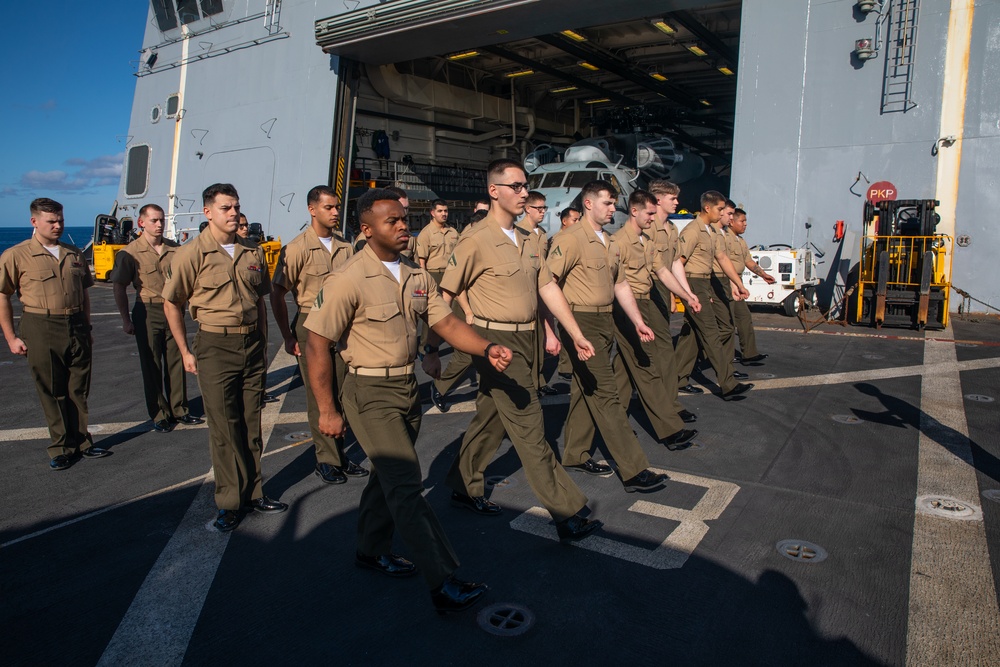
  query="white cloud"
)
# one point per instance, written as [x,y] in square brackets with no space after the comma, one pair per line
[84,174]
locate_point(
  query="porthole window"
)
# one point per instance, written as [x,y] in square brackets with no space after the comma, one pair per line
[154,114]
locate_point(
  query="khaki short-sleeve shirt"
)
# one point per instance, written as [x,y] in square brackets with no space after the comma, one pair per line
[735,249]
[435,245]
[697,245]
[638,257]
[747,256]
[665,237]
[305,263]
[137,264]
[539,233]
[223,291]
[372,317]
[41,280]
[586,269]
[501,280]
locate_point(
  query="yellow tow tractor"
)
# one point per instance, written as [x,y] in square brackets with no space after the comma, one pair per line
[110,236]
[272,248]
[905,272]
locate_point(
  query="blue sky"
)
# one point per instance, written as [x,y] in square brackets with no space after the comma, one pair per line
[68,90]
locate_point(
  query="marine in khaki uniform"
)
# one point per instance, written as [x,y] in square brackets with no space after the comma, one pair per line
[225,280]
[586,263]
[410,251]
[51,279]
[143,263]
[534,213]
[635,362]
[302,267]
[435,244]
[500,268]
[699,246]
[370,309]
[567,217]
[740,255]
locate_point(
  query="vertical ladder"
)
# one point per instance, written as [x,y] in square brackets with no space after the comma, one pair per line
[900,50]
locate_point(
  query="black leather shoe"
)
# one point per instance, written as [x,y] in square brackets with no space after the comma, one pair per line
[546,390]
[163,426]
[95,453]
[680,440]
[61,462]
[645,481]
[741,388]
[265,505]
[687,417]
[750,360]
[352,469]
[189,420]
[741,376]
[390,565]
[576,528]
[437,398]
[270,398]
[454,595]
[479,504]
[690,389]
[227,520]
[591,467]
[330,474]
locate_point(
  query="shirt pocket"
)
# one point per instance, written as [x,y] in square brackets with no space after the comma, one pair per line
[506,270]
[385,323]
[41,283]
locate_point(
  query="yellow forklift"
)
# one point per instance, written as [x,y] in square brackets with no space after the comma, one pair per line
[110,236]
[904,277]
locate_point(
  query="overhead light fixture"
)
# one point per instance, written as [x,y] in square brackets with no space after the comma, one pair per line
[463,55]
[657,76]
[585,65]
[697,50]
[575,36]
[523,72]
[725,70]
[663,26]
[599,100]
[564,89]
[705,102]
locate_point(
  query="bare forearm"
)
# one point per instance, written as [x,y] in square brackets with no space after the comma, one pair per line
[463,301]
[677,269]
[460,335]
[757,271]
[625,298]
[7,318]
[671,282]
[280,309]
[321,378]
[175,318]
[556,303]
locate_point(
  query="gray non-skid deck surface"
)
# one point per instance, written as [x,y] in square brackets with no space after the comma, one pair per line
[286,591]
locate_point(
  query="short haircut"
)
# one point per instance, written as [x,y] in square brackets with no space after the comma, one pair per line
[641,198]
[202,226]
[569,209]
[243,216]
[438,202]
[399,192]
[211,192]
[45,205]
[594,188]
[739,211]
[712,197]
[535,196]
[662,186]
[477,216]
[730,203]
[314,195]
[482,200]
[147,207]
[496,168]
[366,202]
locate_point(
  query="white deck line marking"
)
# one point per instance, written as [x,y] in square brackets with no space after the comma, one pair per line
[157,627]
[953,613]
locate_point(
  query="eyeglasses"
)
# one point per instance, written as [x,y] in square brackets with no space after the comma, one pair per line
[516,187]
[543,209]
[244,225]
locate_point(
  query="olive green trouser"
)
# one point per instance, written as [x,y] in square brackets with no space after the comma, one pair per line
[231,377]
[507,402]
[384,414]
[666,356]
[328,450]
[459,364]
[594,402]
[634,365]
[744,327]
[160,361]
[723,314]
[59,357]
[701,329]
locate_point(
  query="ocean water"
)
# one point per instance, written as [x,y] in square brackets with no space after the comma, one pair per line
[11,236]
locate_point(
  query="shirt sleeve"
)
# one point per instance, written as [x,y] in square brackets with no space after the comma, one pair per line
[182,274]
[10,277]
[687,243]
[423,245]
[621,268]
[265,285]
[437,309]
[563,256]
[123,272]
[334,308]
[281,278]
[461,270]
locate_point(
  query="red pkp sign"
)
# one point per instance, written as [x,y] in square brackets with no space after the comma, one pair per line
[881,191]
